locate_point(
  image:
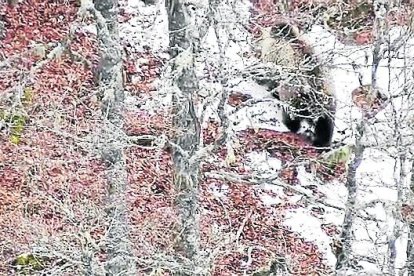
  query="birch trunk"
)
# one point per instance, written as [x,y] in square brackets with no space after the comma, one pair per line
[410,244]
[183,47]
[344,258]
[120,260]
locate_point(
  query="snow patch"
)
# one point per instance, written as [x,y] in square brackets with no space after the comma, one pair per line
[309,227]
[265,115]
[252,89]
[270,200]
[148,27]
[263,164]
[219,190]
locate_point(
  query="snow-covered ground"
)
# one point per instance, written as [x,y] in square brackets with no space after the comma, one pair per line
[377,176]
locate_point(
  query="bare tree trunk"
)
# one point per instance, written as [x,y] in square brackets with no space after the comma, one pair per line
[344,258]
[380,28]
[111,91]
[2,27]
[397,226]
[410,244]
[183,46]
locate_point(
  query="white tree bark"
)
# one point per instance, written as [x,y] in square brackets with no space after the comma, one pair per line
[120,260]
[410,244]
[344,258]
[184,44]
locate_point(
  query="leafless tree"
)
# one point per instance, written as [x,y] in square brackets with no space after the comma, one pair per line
[344,259]
[410,245]
[383,50]
[184,44]
[111,92]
